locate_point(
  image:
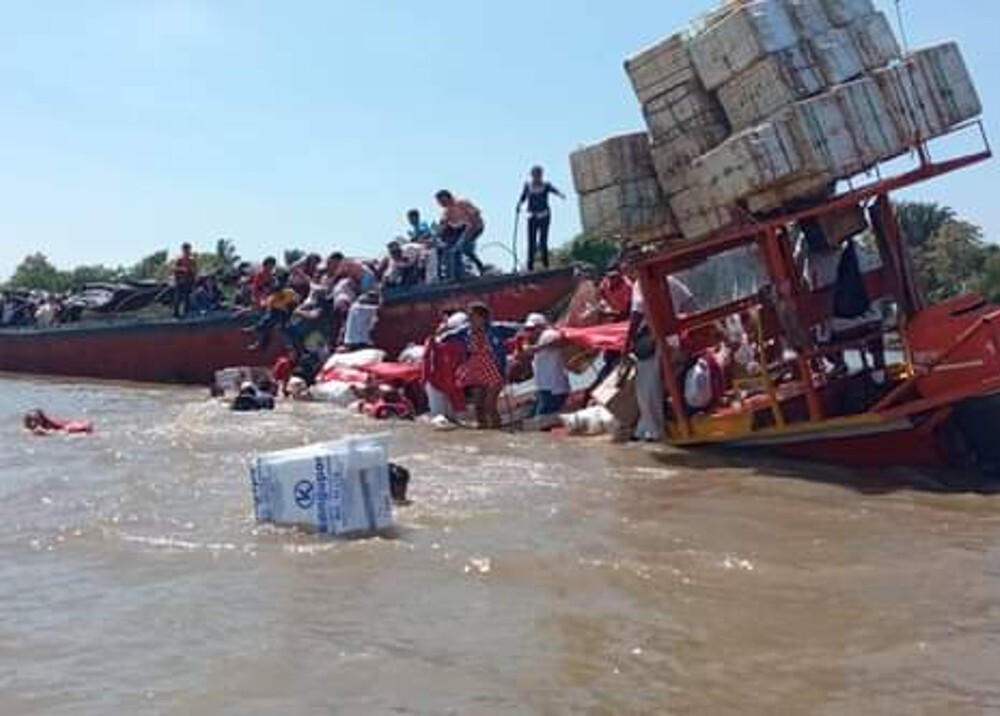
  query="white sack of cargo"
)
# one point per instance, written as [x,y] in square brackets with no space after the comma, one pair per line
[844,12]
[875,41]
[696,214]
[335,392]
[743,36]
[628,210]
[660,68]
[837,56]
[339,488]
[808,17]
[355,359]
[771,84]
[929,92]
[686,115]
[747,163]
[876,135]
[618,159]
[823,142]
[595,420]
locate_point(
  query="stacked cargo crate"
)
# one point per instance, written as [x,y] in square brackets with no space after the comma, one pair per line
[770,102]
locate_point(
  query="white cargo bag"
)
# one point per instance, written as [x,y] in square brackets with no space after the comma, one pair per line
[355,359]
[844,12]
[875,41]
[339,488]
[743,36]
[770,85]
[615,160]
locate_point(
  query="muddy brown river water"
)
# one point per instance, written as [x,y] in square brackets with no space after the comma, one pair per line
[532,575]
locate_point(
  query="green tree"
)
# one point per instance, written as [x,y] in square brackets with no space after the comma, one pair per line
[225,252]
[153,266]
[98,273]
[37,272]
[589,250]
[920,221]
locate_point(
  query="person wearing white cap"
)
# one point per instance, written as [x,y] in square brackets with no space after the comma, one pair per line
[443,353]
[551,377]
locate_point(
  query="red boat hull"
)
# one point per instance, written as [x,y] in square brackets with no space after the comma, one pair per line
[190,351]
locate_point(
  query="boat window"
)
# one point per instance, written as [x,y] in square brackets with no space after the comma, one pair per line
[725,278]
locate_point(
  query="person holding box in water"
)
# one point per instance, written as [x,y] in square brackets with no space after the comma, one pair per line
[536,194]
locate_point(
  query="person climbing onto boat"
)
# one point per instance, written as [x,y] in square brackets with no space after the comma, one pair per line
[262,282]
[485,365]
[641,344]
[184,271]
[38,423]
[461,226]
[544,347]
[278,309]
[536,193]
[361,319]
[304,274]
[339,267]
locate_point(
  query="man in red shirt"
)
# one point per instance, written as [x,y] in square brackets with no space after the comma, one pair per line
[615,292]
[184,271]
[262,282]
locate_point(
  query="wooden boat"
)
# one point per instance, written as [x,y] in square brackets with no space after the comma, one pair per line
[946,376]
[191,350]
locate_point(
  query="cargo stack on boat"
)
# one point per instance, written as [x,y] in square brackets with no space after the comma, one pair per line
[763,104]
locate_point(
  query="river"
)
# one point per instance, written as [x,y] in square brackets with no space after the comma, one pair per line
[532,575]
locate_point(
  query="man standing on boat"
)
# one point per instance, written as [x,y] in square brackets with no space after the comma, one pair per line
[184,271]
[536,193]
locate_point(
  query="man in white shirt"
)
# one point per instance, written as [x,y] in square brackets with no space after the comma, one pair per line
[551,377]
[361,320]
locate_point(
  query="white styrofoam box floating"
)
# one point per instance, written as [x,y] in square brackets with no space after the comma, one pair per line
[615,160]
[837,55]
[823,142]
[697,216]
[773,83]
[795,192]
[626,210]
[876,135]
[660,68]
[748,163]
[952,89]
[339,488]
[875,41]
[808,17]
[844,12]
[929,92]
[745,35]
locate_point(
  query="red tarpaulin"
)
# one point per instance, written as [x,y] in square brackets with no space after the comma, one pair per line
[607,337]
[394,372]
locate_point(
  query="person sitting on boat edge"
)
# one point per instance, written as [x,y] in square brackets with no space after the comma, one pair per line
[262,282]
[339,267]
[278,309]
[544,347]
[483,372]
[460,227]
[403,265]
[184,271]
[207,297]
[536,193]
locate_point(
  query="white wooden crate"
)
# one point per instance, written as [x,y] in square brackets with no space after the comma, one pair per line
[844,12]
[876,42]
[876,135]
[683,110]
[745,35]
[810,188]
[837,56]
[748,163]
[808,17]
[773,83]
[952,89]
[823,141]
[625,209]
[615,160]
[697,216]
[660,68]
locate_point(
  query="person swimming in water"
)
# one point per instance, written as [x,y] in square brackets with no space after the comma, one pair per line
[37,422]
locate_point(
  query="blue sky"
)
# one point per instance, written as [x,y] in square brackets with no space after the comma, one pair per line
[129,126]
